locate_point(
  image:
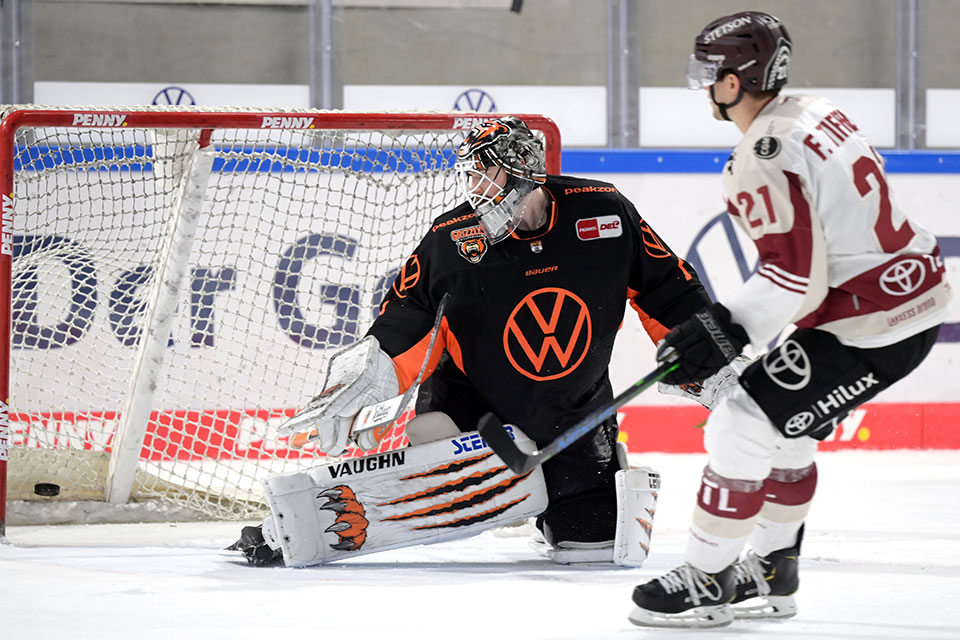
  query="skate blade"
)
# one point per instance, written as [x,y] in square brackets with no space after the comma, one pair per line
[697,618]
[768,608]
[580,556]
[603,555]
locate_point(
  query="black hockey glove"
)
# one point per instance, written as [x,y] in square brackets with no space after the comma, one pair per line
[704,344]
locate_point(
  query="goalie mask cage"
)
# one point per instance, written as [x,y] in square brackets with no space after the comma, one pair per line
[173,281]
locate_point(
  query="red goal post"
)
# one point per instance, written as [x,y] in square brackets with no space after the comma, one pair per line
[161,269]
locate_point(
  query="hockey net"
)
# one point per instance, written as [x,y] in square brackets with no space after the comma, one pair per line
[173,282]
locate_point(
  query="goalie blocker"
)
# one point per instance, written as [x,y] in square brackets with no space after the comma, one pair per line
[447,489]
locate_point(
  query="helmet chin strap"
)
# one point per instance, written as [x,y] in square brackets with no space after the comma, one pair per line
[723,107]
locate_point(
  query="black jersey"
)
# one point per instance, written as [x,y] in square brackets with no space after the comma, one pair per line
[531,320]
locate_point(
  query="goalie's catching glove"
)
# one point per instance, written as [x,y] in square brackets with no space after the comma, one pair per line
[704,344]
[358,375]
[710,390]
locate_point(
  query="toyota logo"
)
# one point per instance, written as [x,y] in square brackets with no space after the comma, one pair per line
[788,366]
[903,278]
[798,423]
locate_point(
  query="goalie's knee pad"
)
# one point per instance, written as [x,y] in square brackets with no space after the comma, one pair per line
[430,426]
[434,492]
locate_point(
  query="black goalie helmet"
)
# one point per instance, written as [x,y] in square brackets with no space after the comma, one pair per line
[751,44]
[498,164]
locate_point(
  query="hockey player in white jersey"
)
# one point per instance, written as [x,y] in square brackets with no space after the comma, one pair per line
[864,286]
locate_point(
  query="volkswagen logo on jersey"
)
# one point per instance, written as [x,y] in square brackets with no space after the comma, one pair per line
[600,227]
[799,423]
[903,278]
[476,100]
[548,334]
[767,147]
[788,366]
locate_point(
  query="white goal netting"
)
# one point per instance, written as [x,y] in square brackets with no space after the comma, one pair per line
[171,306]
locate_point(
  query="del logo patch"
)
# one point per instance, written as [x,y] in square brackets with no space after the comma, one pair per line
[600,227]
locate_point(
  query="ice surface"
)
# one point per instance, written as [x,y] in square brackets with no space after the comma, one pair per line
[881,559]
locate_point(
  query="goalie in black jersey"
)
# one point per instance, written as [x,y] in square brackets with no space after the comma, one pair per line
[538,270]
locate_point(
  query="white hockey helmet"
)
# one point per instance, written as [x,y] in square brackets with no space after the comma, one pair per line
[508,145]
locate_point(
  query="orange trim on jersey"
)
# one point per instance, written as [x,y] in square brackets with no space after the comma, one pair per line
[409,362]
[654,329]
[453,345]
[550,225]
[686,274]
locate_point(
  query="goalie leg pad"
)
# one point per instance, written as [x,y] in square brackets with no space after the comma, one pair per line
[637,492]
[442,490]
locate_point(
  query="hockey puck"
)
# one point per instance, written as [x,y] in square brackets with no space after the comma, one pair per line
[46,489]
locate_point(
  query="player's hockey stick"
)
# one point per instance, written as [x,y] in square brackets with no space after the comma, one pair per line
[372,420]
[493,431]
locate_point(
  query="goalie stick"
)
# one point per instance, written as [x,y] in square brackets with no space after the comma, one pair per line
[493,431]
[372,421]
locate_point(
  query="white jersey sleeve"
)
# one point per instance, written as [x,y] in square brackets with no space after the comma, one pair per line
[834,250]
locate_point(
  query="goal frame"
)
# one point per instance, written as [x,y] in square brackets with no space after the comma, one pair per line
[206,121]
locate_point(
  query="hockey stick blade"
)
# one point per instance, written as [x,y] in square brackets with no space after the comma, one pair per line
[493,431]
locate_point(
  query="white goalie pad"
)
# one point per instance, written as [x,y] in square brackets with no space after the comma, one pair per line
[358,375]
[637,492]
[443,490]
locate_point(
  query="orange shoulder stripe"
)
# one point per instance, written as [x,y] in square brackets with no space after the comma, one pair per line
[409,362]
[654,329]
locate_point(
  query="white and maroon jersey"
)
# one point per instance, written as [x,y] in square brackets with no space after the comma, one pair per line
[835,252]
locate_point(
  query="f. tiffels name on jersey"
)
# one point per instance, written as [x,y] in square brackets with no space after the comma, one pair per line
[368,463]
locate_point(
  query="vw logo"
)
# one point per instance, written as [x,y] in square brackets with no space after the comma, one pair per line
[788,366]
[476,100]
[798,423]
[903,278]
[174,96]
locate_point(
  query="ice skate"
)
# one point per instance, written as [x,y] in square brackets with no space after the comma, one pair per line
[685,597]
[255,549]
[765,585]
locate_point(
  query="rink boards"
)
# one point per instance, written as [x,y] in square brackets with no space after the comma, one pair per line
[682,200]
